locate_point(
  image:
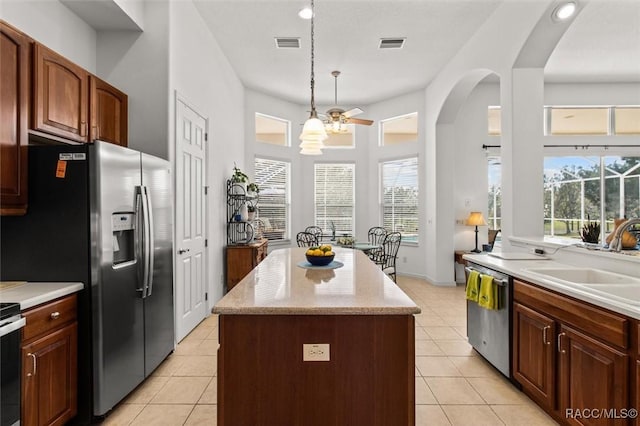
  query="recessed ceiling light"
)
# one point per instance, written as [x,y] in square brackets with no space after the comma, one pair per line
[305,13]
[564,11]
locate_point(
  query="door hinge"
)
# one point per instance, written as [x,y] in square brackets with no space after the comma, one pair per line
[206,137]
[206,190]
[206,242]
[206,296]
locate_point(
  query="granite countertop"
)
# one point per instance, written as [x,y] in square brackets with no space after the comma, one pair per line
[30,294]
[518,268]
[278,286]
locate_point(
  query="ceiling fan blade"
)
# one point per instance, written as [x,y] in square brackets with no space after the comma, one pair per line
[359,121]
[352,112]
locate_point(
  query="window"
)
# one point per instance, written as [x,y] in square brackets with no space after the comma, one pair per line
[581,120]
[272,177]
[627,121]
[495,192]
[400,129]
[335,198]
[272,130]
[573,187]
[400,197]
[578,121]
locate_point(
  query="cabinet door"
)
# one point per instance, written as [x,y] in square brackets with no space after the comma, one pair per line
[61,96]
[108,112]
[534,354]
[49,372]
[592,375]
[15,72]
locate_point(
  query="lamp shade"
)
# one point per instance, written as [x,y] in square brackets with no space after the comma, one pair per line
[313,133]
[476,219]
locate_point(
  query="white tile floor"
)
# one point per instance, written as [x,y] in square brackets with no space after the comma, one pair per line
[454,385]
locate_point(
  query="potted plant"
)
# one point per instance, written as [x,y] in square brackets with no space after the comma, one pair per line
[251,211]
[590,232]
[238,180]
[253,189]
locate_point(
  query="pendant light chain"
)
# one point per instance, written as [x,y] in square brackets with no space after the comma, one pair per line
[313,103]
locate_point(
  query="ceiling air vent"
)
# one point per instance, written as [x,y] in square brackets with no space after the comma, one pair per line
[391,43]
[288,42]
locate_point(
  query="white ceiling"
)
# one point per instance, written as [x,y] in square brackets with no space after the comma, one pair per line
[603,44]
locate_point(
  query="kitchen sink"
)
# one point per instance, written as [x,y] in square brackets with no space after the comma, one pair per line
[609,284]
[585,276]
[630,293]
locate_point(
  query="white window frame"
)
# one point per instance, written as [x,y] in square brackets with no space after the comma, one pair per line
[271,117]
[352,165]
[381,203]
[287,221]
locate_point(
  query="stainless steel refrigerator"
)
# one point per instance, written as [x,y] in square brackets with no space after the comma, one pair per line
[101,214]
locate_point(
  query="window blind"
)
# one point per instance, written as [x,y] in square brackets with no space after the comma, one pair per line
[400,197]
[335,197]
[272,177]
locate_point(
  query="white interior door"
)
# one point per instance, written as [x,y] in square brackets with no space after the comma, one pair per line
[191,305]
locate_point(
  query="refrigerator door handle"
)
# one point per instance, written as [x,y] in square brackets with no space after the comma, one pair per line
[143,238]
[151,241]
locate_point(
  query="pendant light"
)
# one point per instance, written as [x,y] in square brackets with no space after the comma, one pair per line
[313,132]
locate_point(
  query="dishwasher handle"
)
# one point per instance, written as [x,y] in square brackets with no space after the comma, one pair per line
[501,282]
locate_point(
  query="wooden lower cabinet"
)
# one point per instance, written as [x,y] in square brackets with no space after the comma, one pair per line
[572,357]
[591,375]
[534,367]
[50,363]
[242,259]
[369,379]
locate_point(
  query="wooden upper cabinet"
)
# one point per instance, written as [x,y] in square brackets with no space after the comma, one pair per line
[61,98]
[15,66]
[108,112]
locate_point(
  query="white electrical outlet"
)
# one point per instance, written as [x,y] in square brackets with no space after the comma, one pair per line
[316,352]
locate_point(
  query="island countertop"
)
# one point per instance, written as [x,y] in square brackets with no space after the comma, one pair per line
[278,286]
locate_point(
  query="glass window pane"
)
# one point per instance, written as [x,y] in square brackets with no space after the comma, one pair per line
[621,188]
[335,198]
[494,118]
[399,129]
[400,197]
[495,192]
[579,121]
[272,178]
[571,194]
[627,121]
[272,130]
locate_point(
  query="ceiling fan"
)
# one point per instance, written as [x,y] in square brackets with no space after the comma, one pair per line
[336,117]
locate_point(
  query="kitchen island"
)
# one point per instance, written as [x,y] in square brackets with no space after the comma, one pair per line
[316,346]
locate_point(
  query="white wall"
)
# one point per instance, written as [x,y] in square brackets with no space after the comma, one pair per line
[138,64]
[55,26]
[201,74]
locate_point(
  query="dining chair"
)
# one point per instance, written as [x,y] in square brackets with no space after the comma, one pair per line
[377,234]
[306,239]
[315,230]
[387,255]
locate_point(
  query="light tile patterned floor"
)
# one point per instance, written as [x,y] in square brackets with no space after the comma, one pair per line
[454,385]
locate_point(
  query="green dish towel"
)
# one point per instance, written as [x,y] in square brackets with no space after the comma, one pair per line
[488,295]
[472,286]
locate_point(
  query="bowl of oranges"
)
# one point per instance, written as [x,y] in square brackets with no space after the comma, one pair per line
[320,256]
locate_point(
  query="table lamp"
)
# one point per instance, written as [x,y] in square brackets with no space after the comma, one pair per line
[476,219]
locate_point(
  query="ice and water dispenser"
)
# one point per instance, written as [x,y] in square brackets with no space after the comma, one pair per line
[122,225]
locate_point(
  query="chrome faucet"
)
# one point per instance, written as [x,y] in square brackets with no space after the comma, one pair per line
[616,241]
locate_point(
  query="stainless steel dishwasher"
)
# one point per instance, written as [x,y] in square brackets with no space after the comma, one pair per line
[488,330]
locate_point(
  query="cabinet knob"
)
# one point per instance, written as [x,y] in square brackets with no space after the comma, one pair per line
[55,315]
